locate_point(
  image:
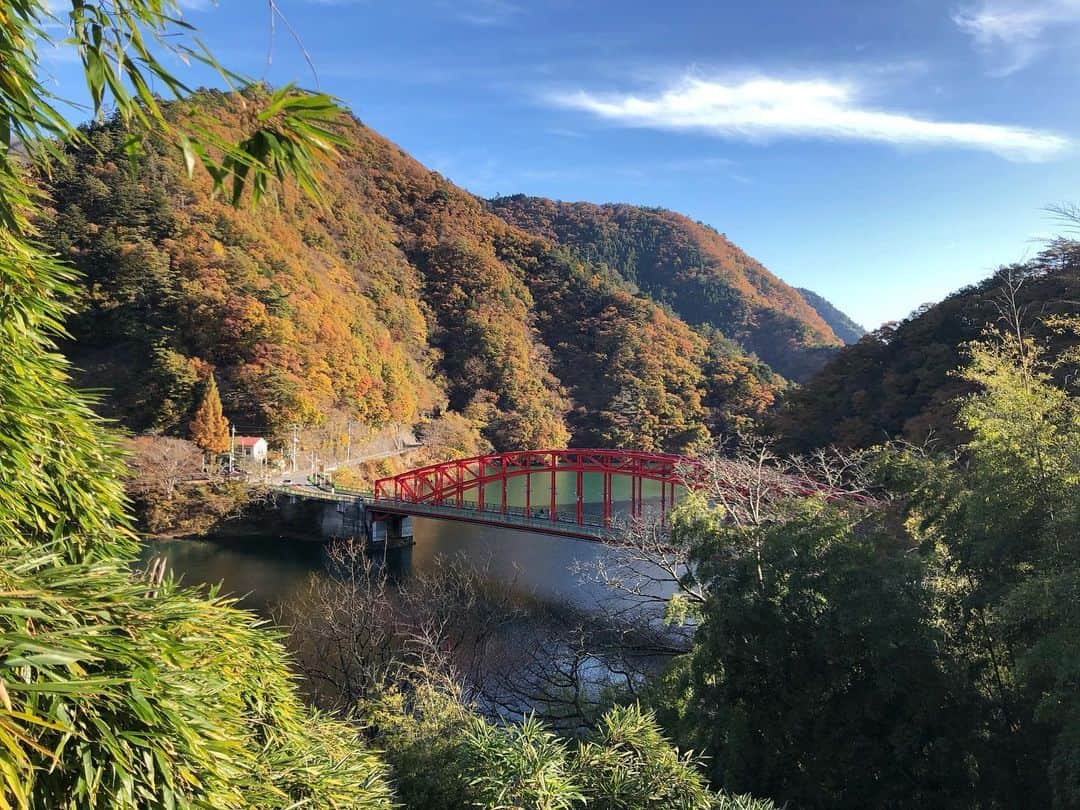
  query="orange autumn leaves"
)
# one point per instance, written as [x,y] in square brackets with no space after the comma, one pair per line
[402,296]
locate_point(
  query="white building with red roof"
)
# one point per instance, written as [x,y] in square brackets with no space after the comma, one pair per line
[253,447]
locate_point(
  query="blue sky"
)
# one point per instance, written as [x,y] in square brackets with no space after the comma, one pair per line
[880,153]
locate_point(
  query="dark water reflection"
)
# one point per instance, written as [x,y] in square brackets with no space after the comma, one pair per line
[546,598]
[266,573]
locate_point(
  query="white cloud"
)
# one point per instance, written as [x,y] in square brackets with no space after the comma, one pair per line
[1014,32]
[486,12]
[763,108]
[483,13]
[56,54]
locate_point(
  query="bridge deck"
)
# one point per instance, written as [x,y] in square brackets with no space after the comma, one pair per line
[319,494]
[564,525]
[632,485]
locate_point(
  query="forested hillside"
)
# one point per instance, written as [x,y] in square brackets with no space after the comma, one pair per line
[900,382]
[842,325]
[689,267]
[401,296]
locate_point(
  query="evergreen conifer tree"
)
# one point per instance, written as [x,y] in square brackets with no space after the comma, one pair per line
[209,427]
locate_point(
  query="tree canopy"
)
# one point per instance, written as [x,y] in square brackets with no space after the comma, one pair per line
[919,649]
[209,428]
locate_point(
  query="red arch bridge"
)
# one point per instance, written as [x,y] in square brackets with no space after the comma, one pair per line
[586,494]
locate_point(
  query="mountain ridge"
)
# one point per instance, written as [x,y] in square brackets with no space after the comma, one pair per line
[843,326]
[696,271]
[899,381]
[399,298]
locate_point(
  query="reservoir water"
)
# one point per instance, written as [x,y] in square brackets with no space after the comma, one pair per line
[266,572]
[547,612]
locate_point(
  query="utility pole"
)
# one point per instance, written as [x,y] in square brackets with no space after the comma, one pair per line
[295,445]
[348,440]
[232,448]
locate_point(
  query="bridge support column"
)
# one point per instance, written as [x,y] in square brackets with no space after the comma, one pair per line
[551,513]
[607,499]
[389,531]
[528,494]
[502,505]
[580,497]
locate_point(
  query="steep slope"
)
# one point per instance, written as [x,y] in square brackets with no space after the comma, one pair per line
[697,272]
[897,382]
[401,296]
[843,327]
[175,284]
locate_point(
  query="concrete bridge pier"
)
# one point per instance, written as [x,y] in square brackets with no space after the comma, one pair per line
[391,531]
[388,531]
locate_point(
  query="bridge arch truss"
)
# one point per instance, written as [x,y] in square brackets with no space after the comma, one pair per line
[490,484]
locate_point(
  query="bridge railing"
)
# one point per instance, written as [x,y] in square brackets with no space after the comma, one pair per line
[322,492]
[535,518]
[538,519]
[593,525]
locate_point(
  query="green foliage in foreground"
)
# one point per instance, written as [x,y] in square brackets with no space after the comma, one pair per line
[444,755]
[815,676]
[116,692]
[924,653]
[121,693]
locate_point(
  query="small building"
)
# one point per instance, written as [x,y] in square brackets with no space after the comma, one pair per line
[253,447]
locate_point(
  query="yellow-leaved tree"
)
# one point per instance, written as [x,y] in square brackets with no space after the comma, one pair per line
[209,427]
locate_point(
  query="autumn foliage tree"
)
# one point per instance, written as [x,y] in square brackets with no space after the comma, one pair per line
[160,464]
[209,427]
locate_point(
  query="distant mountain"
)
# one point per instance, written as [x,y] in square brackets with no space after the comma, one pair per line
[690,268]
[402,296]
[844,327]
[897,381]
